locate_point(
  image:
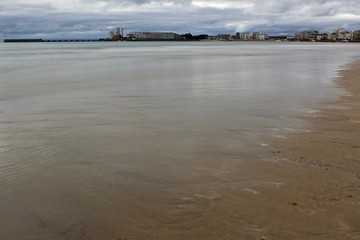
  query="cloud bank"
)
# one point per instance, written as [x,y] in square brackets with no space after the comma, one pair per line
[94,18]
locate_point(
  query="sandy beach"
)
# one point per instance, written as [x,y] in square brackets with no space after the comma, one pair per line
[211,142]
[318,172]
[307,187]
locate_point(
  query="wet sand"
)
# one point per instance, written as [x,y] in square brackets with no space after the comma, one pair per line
[319,172]
[307,187]
[142,180]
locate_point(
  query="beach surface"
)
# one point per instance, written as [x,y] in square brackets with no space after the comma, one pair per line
[177,141]
[318,172]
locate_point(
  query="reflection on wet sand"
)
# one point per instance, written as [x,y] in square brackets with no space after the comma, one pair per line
[166,145]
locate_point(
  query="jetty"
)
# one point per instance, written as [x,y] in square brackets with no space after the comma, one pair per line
[56,40]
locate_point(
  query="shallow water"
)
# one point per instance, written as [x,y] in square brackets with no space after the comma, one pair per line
[137,140]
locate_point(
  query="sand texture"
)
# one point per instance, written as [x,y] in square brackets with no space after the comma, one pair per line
[133,174]
[320,172]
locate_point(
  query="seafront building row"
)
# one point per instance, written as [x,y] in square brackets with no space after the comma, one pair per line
[252,36]
[245,36]
[340,34]
[144,36]
[154,36]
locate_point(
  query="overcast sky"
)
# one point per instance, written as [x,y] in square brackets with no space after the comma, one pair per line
[94,18]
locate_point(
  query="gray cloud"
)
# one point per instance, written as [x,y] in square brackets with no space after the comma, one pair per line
[94,18]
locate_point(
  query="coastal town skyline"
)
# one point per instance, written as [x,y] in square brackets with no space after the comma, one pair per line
[79,19]
[339,34]
[118,34]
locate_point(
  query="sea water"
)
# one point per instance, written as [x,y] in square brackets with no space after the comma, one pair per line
[132,140]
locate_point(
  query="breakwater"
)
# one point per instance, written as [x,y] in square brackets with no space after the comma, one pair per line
[56,40]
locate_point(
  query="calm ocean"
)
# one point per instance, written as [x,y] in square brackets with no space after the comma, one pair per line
[130,140]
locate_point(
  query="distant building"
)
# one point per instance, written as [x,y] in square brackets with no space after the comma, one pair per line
[245,36]
[322,37]
[261,36]
[340,34]
[117,34]
[332,36]
[307,35]
[347,35]
[154,36]
[253,36]
[355,36]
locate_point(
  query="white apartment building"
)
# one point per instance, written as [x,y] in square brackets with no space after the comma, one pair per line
[117,33]
[255,36]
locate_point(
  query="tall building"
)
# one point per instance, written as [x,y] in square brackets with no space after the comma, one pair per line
[119,32]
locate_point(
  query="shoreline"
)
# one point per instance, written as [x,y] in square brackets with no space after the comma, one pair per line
[318,172]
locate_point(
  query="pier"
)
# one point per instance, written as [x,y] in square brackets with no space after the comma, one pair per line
[56,40]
